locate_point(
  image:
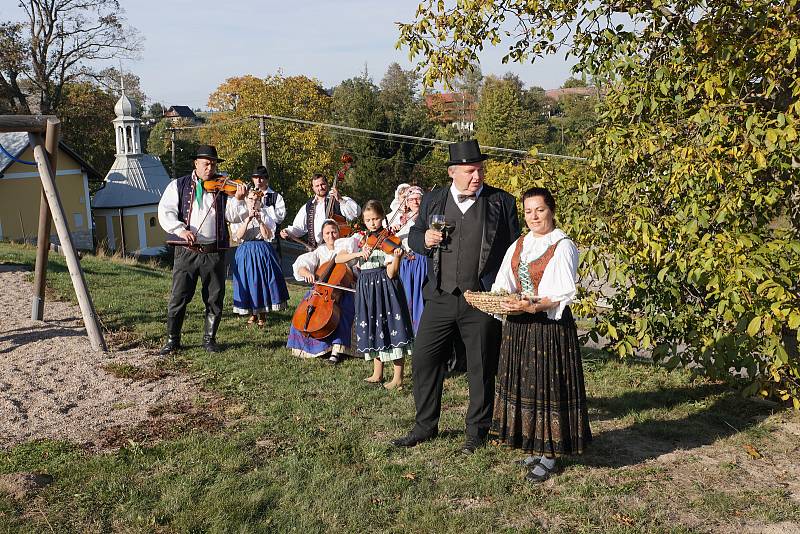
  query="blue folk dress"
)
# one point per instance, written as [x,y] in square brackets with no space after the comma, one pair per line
[382,321]
[413,274]
[339,341]
[258,283]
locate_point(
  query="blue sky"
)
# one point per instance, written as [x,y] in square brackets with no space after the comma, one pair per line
[191,46]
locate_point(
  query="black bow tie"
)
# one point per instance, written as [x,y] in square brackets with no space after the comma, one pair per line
[462,198]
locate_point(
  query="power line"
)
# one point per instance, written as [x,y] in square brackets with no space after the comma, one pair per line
[412,137]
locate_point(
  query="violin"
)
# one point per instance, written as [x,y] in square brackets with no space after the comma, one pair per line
[345,229]
[384,241]
[318,314]
[222,183]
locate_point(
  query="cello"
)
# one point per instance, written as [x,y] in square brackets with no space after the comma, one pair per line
[318,314]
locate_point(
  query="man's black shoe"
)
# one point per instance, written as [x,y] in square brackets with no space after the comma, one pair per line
[412,439]
[472,444]
[172,345]
[211,345]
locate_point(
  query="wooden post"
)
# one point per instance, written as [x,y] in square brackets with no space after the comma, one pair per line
[59,218]
[52,138]
[262,128]
[172,141]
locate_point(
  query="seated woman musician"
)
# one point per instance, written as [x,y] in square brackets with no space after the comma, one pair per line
[338,344]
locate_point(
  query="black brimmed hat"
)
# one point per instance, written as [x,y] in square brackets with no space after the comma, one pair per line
[208,152]
[260,170]
[465,152]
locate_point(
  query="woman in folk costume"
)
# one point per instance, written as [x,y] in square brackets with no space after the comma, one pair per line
[382,322]
[540,400]
[413,269]
[337,344]
[258,284]
[397,207]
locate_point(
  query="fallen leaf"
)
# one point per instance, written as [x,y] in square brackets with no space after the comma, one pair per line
[410,476]
[753,452]
[623,519]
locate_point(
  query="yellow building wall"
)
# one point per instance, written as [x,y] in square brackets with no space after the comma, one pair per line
[19,199]
[131,233]
[155,234]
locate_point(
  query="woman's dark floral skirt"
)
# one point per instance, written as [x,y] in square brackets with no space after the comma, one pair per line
[540,398]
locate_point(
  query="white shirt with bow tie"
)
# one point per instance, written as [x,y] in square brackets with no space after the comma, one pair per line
[467,203]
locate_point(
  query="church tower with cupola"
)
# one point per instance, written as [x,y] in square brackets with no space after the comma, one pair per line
[125,208]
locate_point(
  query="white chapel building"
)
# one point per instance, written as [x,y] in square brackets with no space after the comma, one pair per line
[126,207]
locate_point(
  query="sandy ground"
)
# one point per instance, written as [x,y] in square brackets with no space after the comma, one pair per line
[54,386]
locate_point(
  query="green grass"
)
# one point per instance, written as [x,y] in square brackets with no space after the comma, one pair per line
[306,446]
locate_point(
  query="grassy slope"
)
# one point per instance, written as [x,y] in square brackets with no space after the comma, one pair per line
[307,448]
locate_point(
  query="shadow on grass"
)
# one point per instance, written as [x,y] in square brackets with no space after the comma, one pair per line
[721,415]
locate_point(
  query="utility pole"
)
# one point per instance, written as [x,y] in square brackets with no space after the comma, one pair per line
[262,128]
[172,138]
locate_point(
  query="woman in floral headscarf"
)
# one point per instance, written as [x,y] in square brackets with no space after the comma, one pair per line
[413,269]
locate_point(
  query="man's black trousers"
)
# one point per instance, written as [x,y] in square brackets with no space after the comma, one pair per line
[444,317]
[187,268]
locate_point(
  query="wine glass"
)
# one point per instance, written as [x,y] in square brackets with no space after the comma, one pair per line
[437,222]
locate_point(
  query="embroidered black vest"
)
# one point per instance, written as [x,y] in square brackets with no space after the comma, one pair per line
[311,235]
[186,185]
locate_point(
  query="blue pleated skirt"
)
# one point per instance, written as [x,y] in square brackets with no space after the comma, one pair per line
[383,324]
[258,284]
[337,343]
[413,273]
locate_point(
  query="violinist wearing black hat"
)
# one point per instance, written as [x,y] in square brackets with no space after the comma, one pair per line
[196,219]
[482,222]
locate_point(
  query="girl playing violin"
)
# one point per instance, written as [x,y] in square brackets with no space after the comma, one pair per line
[337,344]
[383,326]
[258,284]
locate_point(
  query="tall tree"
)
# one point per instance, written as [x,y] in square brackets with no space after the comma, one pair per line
[689,207]
[294,152]
[405,114]
[500,115]
[356,103]
[57,44]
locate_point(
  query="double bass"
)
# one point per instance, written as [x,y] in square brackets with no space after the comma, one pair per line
[345,229]
[318,314]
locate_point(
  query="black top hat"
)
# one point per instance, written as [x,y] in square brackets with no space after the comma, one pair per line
[260,170]
[208,152]
[465,152]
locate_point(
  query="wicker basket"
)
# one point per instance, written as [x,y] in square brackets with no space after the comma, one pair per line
[488,302]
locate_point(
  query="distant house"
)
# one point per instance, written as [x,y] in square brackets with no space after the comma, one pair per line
[21,189]
[126,207]
[176,113]
[453,109]
[561,92]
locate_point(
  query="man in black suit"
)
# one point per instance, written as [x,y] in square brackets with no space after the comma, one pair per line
[484,224]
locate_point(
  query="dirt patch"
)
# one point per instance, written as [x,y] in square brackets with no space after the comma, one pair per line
[54,386]
[22,485]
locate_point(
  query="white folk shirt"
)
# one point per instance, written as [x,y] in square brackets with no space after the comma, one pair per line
[347,205]
[253,228]
[559,277]
[277,212]
[465,204]
[312,260]
[235,210]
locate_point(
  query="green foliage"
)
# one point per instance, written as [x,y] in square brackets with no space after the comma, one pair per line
[688,211]
[86,114]
[294,152]
[500,114]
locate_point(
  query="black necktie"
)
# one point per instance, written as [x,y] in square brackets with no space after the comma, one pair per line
[462,198]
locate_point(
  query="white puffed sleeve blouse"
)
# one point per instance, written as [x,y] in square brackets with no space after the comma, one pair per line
[312,260]
[559,277]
